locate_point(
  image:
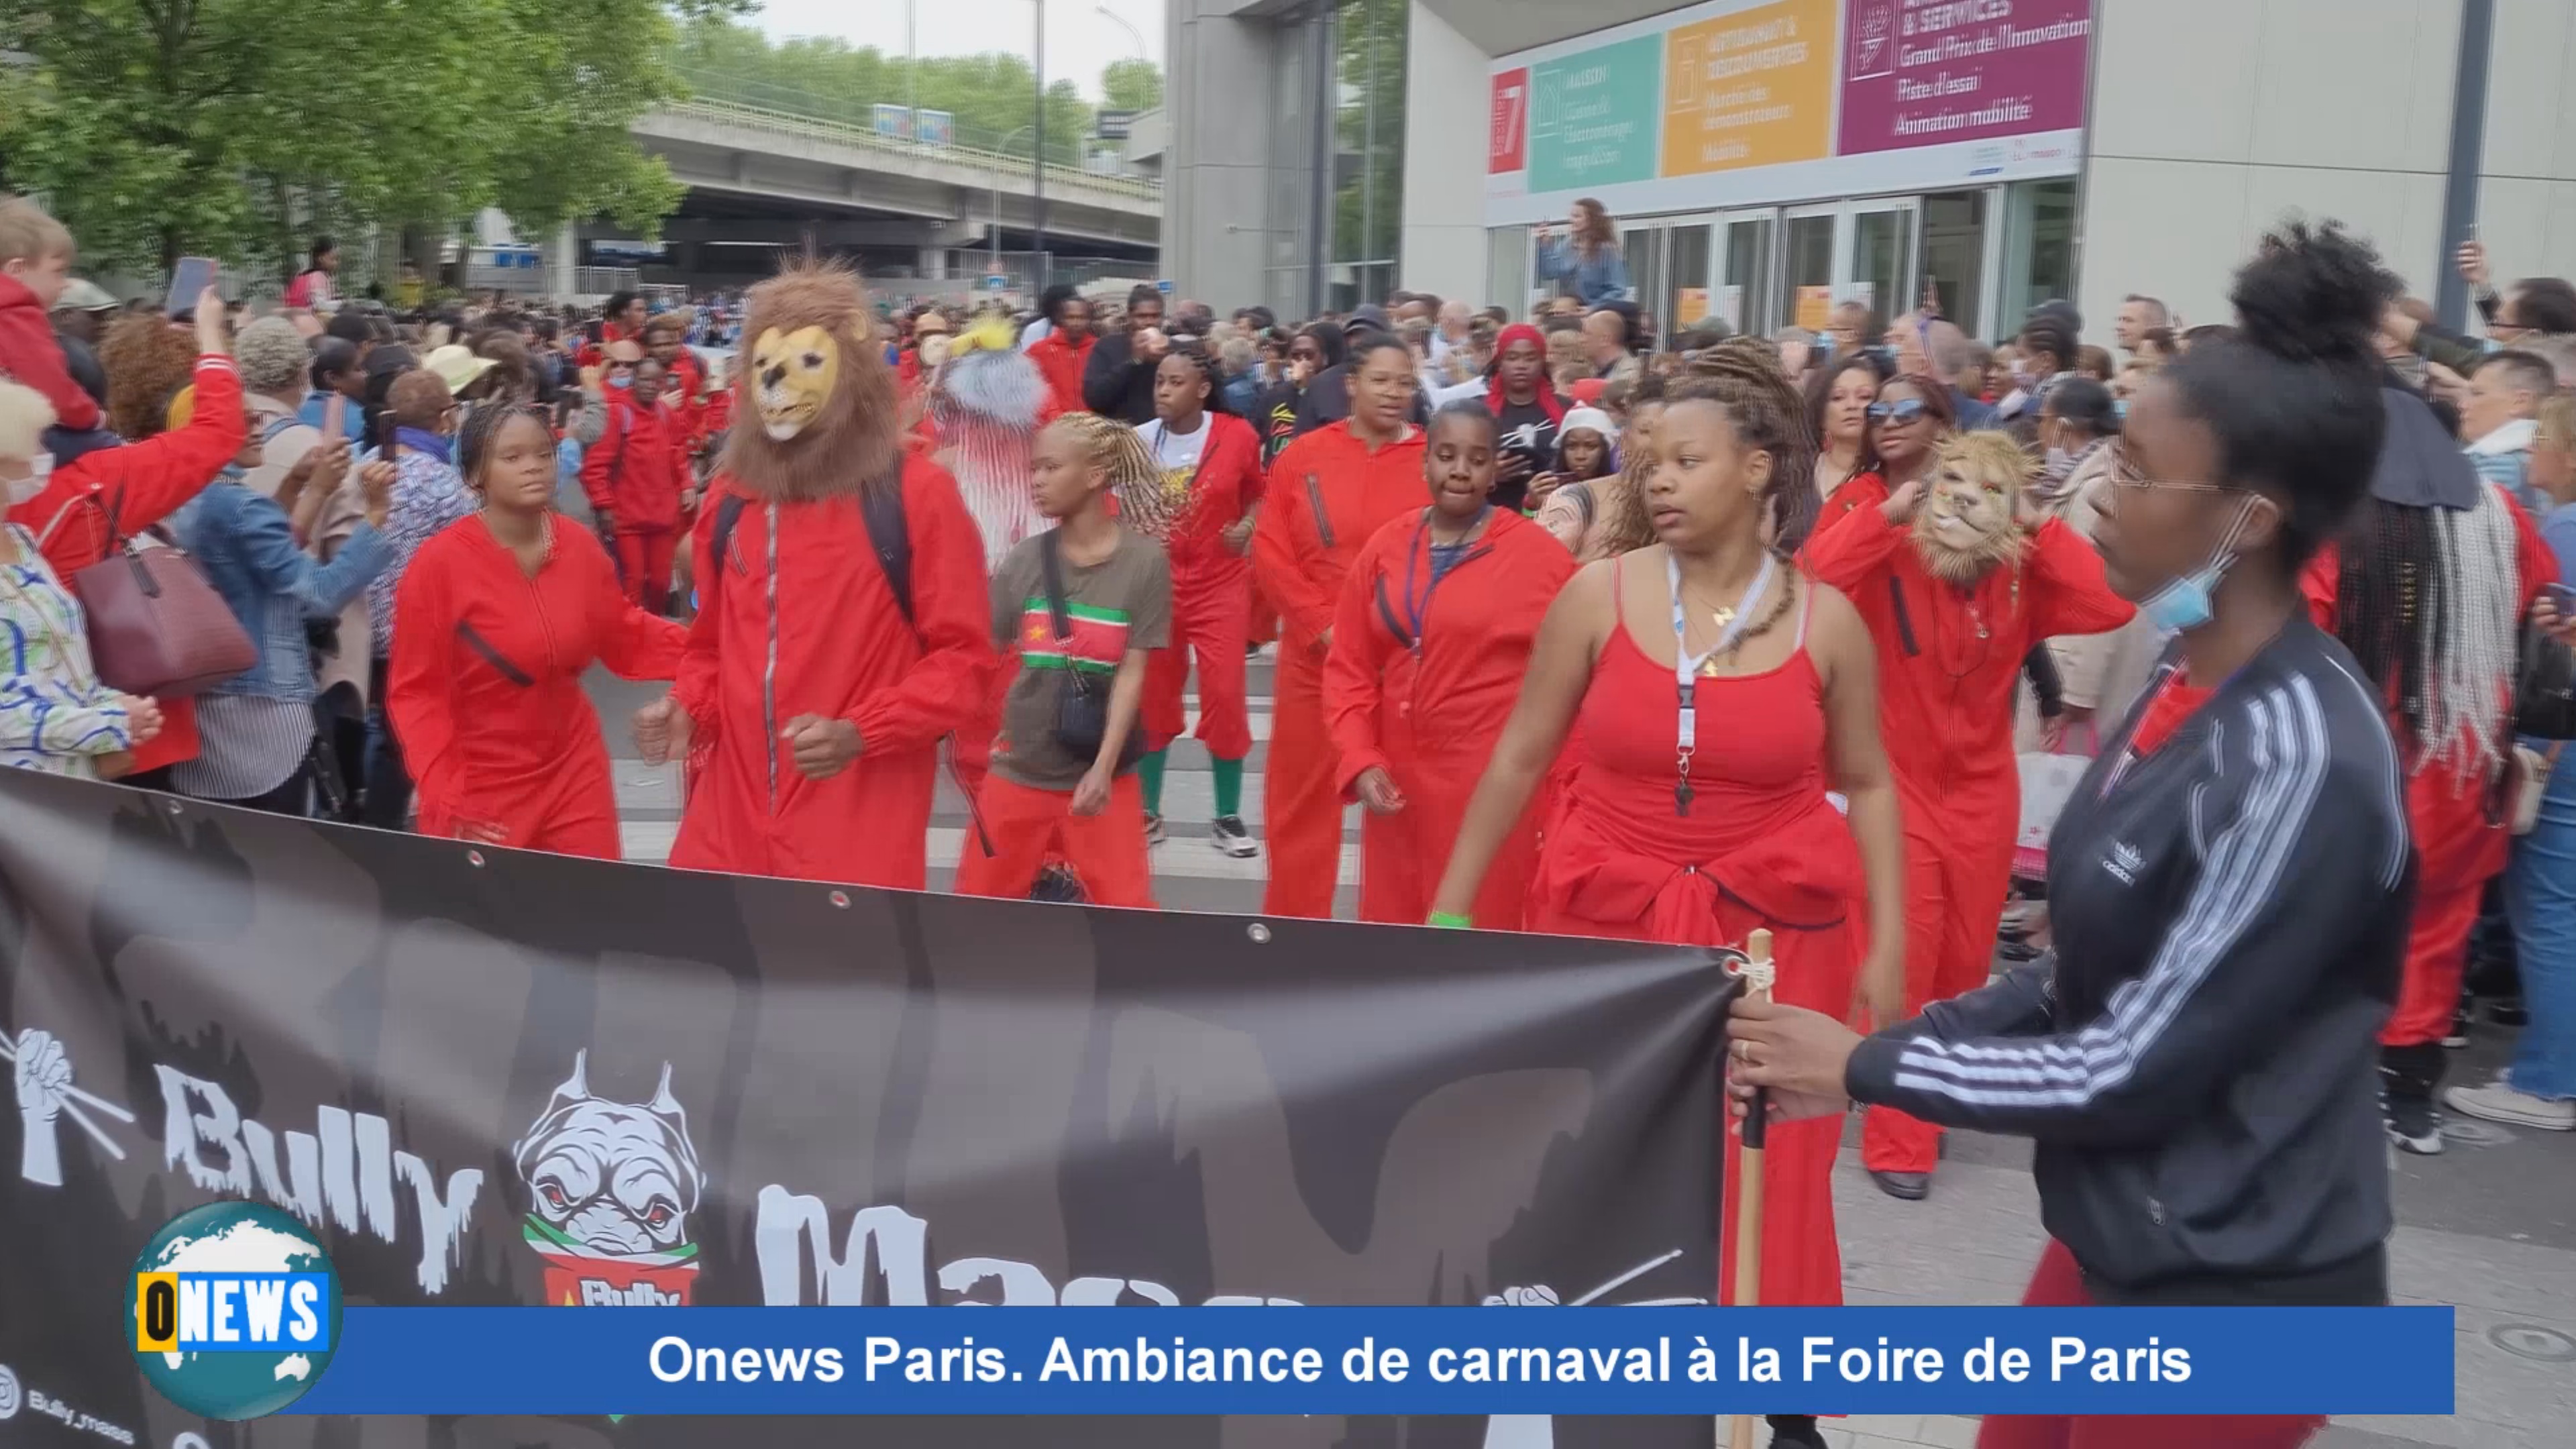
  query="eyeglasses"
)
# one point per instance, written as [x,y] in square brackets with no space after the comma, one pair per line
[2125,474]
[1905,411]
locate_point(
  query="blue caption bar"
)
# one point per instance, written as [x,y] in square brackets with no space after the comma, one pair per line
[1388,1361]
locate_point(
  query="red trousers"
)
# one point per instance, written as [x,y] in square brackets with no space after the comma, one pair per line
[1402,855]
[1301,808]
[1211,617]
[1107,850]
[644,562]
[2058,1283]
[572,812]
[1954,894]
[2437,948]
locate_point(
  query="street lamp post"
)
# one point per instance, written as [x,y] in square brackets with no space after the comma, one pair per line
[1037,156]
[996,239]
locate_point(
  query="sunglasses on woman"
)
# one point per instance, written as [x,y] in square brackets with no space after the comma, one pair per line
[1903,411]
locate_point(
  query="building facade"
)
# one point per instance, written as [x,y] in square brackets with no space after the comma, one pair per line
[1767,159]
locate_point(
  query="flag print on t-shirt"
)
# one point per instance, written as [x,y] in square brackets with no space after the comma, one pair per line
[1098,641]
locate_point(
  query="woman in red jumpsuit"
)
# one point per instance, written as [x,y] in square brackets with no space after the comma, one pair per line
[1329,492]
[1954,602]
[1429,646]
[1701,843]
[2441,648]
[496,621]
[636,476]
[1208,466]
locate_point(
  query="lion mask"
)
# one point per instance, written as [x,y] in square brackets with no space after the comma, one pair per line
[817,416]
[1970,519]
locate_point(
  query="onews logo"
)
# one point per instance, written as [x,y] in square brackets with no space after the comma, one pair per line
[235,1310]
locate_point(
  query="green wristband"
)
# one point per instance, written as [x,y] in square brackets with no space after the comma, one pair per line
[1451,921]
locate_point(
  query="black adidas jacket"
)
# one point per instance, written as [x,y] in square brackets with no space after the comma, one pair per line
[2200,1067]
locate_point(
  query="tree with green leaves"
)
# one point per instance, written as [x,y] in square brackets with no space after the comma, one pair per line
[238,128]
[1132,85]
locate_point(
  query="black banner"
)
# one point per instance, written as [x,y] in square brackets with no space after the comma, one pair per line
[489,1077]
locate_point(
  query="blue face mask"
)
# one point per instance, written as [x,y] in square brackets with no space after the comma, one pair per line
[621,382]
[2120,408]
[2186,603]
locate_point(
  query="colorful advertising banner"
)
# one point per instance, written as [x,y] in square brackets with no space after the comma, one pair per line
[1593,116]
[1751,89]
[1925,72]
[489,1078]
[1733,103]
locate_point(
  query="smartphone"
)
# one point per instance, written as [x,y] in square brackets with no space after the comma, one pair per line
[2562,596]
[385,425]
[192,276]
[335,418]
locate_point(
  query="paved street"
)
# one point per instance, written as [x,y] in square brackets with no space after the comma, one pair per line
[2489,1227]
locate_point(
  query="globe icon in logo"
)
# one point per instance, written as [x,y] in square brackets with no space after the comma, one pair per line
[256,1377]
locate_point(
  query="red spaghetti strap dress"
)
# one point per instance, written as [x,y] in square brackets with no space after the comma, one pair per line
[1760,847]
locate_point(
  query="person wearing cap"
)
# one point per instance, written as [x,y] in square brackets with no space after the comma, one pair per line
[1562,499]
[81,312]
[1118,381]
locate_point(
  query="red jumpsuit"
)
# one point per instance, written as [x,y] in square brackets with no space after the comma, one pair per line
[103,497]
[636,472]
[1328,494]
[1761,847]
[1422,676]
[1948,661]
[1063,362]
[1211,598]
[2460,843]
[803,622]
[485,690]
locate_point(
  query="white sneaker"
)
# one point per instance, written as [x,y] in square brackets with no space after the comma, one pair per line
[2497,1101]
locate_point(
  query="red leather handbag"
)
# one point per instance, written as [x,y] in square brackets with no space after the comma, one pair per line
[156,626]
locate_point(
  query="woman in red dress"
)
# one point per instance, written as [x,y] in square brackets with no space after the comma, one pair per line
[1701,843]
[497,619]
[1429,647]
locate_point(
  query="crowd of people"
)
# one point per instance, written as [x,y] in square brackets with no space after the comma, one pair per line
[1606,633]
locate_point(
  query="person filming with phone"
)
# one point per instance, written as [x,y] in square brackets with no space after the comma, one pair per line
[1588,260]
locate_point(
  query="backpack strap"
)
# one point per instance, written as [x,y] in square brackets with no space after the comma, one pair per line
[890,533]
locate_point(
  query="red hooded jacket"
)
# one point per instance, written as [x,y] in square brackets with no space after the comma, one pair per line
[1063,360]
[798,619]
[639,466]
[1228,483]
[30,354]
[115,493]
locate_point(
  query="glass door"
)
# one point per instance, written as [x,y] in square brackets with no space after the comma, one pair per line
[1880,273]
[1747,280]
[1687,297]
[1643,248]
[1953,259]
[1809,266]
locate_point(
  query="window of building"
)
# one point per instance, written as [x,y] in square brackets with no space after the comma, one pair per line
[1368,191]
[2039,248]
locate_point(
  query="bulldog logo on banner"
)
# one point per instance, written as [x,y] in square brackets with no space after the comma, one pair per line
[610,1189]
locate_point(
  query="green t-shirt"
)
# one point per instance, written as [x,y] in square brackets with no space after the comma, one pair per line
[1123,602]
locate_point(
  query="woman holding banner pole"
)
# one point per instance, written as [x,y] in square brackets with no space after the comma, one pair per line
[1767,680]
[2229,887]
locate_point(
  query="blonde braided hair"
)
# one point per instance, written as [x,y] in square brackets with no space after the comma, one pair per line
[1133,479]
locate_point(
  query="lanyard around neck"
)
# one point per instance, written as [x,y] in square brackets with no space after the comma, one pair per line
[1419,615]
[1686,666]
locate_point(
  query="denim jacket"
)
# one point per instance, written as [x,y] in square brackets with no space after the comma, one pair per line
[247,548]
[1603,278]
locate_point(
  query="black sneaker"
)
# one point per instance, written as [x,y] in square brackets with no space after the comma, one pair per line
[2508,1011]
[2461,1021]
[1153,830]
[1795,1431]
[1232,837]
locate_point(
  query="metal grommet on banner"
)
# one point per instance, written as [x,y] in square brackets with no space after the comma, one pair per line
[840,900]
[1259,933]
[170,805]
[474,858]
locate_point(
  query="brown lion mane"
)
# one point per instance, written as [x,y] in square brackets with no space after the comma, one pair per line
[857,442]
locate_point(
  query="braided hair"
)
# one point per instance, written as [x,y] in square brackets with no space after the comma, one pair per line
[2425,601]
[482,429]
[1197,354]
[1743,376]
[1133,479]
[1628,526]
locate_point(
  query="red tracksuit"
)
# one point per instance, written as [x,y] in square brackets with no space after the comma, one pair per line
[1328,495]
[636,472]
[1211,598]
[1948,661]
[1063,362]
[103,497]
[2460,843]
[802,622]
[1421,678]
[485,689]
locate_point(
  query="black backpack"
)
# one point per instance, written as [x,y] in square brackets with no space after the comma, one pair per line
[889,533]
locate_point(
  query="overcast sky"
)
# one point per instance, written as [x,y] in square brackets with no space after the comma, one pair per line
[1080,41]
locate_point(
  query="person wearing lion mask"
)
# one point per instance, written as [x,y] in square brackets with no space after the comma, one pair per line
[842,622]
[1958,578]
